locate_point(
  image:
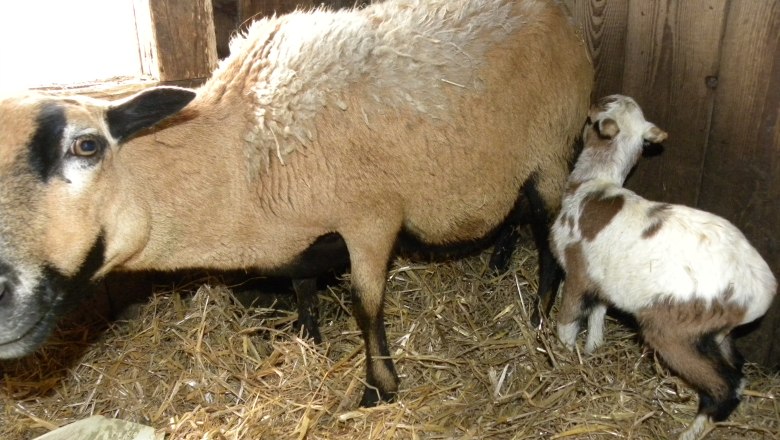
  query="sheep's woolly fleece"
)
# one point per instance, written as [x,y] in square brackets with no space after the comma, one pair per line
[399,56]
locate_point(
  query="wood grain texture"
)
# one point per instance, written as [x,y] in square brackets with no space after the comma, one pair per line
[671,49]
[603,24]
[741,180]
[184,36]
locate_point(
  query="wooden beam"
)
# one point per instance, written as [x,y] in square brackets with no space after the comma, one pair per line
[177,38]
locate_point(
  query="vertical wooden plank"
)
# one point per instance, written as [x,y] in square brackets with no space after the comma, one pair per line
[672,48]
[225,23]
[603,26]
[741,178]
[147,48]
[184,38]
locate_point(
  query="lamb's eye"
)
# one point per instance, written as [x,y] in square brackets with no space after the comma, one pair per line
[85,147]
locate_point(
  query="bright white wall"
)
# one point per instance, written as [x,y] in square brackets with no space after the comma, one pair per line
[47,42]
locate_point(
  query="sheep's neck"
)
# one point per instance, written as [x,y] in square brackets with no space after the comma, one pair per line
[188,183]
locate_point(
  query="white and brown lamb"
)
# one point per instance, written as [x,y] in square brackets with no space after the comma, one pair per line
[689,277]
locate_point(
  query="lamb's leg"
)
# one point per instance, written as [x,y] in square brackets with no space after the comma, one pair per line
[572,304]
[308,307]
[369,251]
[699,360]
[595,327]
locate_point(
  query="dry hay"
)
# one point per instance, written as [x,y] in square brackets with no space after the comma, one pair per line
[202,366]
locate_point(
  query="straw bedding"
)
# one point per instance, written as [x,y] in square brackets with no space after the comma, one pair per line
[197,364]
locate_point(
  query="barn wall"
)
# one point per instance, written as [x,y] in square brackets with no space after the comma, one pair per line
[708,72]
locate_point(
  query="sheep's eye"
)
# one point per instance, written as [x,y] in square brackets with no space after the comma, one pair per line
[84,147]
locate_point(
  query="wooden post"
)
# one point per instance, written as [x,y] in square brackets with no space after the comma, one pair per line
[176,38]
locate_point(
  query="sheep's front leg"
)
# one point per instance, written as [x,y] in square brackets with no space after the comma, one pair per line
[369,254]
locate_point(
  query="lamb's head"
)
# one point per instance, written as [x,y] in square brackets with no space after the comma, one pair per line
[55,153]
[614,136]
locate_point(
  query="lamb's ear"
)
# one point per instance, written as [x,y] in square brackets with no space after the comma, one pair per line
[607,128]
[654,135]
[145,109]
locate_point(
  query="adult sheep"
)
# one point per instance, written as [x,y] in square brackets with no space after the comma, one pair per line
[323,131]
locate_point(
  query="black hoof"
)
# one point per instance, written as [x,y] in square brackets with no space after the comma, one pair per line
[372,397]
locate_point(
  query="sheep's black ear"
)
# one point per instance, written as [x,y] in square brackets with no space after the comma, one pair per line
[607,128]
[145,109]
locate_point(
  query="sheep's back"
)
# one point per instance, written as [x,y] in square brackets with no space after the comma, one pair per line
[441,109]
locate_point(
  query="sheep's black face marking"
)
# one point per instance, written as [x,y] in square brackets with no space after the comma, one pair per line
[45,155]
[27,317]
[47,148]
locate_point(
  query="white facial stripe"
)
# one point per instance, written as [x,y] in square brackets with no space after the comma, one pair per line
[77,173]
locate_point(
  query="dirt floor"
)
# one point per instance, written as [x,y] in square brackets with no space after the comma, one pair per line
[194,363]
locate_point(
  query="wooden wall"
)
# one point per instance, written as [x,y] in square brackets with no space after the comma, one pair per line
[708,72]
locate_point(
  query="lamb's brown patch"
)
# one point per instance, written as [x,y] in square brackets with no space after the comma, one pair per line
[600,106]
[597,211]
[594,139]
[577,285]
[699,316]
[657,215]
[572,188]
[674,330]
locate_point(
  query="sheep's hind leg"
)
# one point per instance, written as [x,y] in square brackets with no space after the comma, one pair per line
[369,252]
[308,307]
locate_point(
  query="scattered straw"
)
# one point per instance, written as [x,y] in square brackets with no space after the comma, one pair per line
[196,364]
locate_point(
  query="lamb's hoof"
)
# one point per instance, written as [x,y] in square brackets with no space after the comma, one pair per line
[567,333]
[590,347]
[697,427]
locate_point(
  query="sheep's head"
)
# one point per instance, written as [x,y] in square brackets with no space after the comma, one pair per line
[53,154]
[615,135]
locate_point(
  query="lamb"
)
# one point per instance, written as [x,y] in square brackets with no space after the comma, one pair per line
[689,277]
[323,134]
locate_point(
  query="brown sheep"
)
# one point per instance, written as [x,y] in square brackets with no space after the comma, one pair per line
[420,119]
